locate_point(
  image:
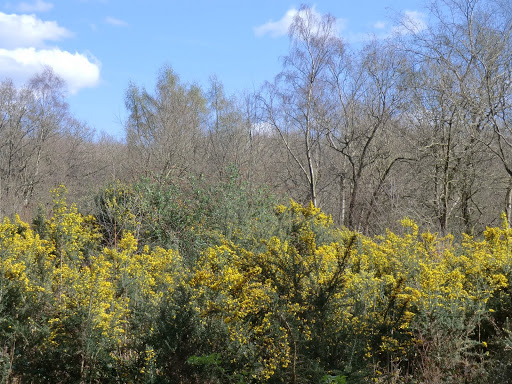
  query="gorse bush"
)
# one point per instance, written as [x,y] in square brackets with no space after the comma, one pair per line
[271,293]
[187,215]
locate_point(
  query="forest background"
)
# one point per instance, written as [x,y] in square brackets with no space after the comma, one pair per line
[170,257]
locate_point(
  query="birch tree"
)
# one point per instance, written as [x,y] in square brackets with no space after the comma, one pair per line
[294,102]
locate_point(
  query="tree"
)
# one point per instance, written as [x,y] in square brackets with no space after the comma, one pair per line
[489,30]
[294,103]
[33,119]
[367,98]
[13,133]
[229,132]
[459,83]
[163,130]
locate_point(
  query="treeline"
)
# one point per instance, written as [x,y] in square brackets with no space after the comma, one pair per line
[416,124]
[247,292]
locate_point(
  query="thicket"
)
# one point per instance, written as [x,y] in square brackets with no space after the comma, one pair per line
[187,282]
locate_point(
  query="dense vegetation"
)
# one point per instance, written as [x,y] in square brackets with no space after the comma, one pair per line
[275,293]
[349,222]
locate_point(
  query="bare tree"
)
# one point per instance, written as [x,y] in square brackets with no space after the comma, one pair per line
[14,106]
[365,111]
[49,115]
[294,102]
[32,118]
[459,78]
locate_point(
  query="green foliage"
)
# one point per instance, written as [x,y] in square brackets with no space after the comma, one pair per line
[186,214]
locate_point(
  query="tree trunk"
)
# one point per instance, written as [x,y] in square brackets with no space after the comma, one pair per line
[508,203]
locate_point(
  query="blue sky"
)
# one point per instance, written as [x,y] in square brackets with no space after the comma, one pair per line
[99,46]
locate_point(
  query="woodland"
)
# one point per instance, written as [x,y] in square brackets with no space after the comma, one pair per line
[348,222]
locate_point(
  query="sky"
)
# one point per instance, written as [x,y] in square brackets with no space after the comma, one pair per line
[99,46]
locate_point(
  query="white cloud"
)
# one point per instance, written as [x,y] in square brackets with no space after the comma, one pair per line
[282,26]
[277,28]
[412,22]
[23,52]
[78,70]
[116,22]
[28,31]
[38,6]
